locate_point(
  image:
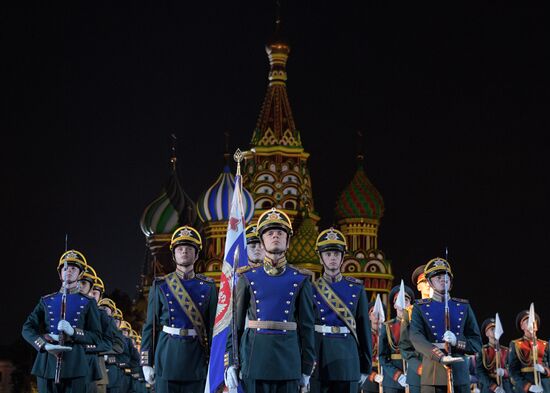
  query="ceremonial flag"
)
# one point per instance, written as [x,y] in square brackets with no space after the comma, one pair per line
[379,310]
[498,328]
[400,301]
[531,320]
[235,256]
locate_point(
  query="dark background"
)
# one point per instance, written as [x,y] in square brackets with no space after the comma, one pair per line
[452,102]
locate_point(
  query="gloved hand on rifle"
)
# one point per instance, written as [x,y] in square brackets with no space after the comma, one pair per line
[446,360]
[231,377]
[402,380]
[55,349]
[450,337]
[378,378]
[65,326]
[540,368]
[149,374]
[536,389]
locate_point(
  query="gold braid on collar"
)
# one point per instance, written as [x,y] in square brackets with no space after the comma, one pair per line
[274,270]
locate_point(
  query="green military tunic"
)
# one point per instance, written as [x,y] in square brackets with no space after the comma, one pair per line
[426,334]
[411,356]
[82,313]
[390,357]
[341,357]
[520,360]
[179,359]
[273,357]
[485,366]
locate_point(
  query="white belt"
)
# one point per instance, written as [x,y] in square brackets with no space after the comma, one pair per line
[179,332]
[331,329]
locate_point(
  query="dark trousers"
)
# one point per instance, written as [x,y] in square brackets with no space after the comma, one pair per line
[333,386]
[414,389]
[67,385]
[167,386]
[263,386]
[393,390]
[443,389]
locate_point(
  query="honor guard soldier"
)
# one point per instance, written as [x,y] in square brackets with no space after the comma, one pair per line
[492,375]
[374,379]
[413,358]
[524,372]
[274,318]
[127,358]
[342,326]
[60,327]
[253,247]
[116,375]
[444,330]
[389,354]
[182,307]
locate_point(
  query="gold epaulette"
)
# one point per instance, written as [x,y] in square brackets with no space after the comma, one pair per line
[204,278]
[160,278]
[457,299]
[353,280]
[305,272]
[243,269]
[49,295]
[424,301]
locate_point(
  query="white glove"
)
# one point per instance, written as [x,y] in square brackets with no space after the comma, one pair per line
[378,378]
[54,337]
[500,372]
[536,389]
[449,337]
[65,326]
[540,369]
[402,380]
[149,374]
[445,360]
[56,349]
[230,378]
[500,389]
[363,379]
[304,381]
[476,390]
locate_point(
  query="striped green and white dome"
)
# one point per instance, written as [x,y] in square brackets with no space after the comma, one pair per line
[171,209]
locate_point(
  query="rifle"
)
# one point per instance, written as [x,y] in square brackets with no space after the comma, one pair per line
[534,344]
[448,368]
[59,356]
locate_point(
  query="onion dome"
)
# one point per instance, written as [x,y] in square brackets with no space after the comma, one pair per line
[302,244]
[215,203]
[173,208]
[360,199]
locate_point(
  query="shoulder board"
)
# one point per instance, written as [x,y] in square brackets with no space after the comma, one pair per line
[544,342]
[353,280]
[302,271]
[503,347]
[517,341]
[423,301]
[50,295]
[459,300]
[204,278]
[160,278]
[244,269]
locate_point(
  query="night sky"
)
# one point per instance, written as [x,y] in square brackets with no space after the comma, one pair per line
[452,103]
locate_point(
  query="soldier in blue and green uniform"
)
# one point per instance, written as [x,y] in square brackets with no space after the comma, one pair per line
[389,354]
[138,380]
[115,374]
[180,318]
[128,360]
[80,327]
[112,342]
[274,318]
[486,364]
[412,357]
[342,327]
[254,248]
[431,337]
[520,358]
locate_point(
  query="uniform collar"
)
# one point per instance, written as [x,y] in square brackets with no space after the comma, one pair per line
[254,264]
[274,270]
[330,279]
[185,276]
[70,291]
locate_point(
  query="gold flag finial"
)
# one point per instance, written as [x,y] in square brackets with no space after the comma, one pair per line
[238,157]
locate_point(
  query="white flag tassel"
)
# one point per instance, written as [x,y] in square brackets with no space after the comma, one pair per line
[531,320]
[400,302]
[379,309]
[498,328]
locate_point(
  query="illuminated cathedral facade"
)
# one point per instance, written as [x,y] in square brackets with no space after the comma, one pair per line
[275,174]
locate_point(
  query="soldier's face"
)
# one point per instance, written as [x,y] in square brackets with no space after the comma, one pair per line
[255,252]
[185,255]
[107,310]
[424,289]
[96,294]
[373,318]
[85,287]
[490,333]
[275,241]
[125,333]
[399,309]
[70,273]
[525,328]
[440,283]
[117,323]
[332,260]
